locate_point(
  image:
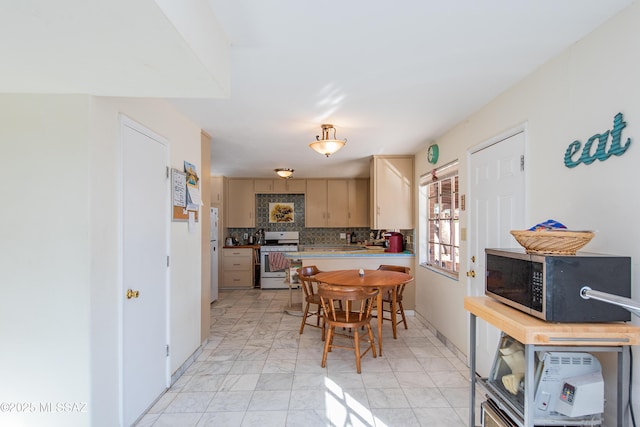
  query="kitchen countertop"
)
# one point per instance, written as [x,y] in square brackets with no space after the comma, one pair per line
[318,252]
[358,253]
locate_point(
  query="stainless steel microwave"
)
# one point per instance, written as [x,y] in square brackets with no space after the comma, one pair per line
[548,286]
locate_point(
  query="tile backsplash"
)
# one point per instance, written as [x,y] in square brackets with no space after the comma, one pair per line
[308,236]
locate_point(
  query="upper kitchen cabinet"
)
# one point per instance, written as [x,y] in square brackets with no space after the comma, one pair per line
[241,203]
[391,192]
[336,203]
[315,206]
[280,186]
[326,203]
[358,202]
[291,186]
[262,186]
[216,190]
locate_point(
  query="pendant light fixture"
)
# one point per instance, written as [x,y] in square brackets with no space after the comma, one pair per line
[327,145]
[285,173]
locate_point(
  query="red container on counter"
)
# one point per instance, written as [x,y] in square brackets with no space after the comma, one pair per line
[394,242]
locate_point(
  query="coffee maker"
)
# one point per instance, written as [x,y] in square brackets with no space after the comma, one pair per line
[393,242]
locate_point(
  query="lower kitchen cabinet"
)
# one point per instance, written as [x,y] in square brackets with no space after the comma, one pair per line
[237,268]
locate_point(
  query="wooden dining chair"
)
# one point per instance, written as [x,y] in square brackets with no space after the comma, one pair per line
[348,308]
[311,297]
[387,298]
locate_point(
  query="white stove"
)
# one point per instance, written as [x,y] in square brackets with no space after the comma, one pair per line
[273,264]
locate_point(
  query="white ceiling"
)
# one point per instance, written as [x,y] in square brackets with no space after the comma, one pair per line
[141,48]
[391,76]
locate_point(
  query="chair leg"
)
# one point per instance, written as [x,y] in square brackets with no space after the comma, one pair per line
[372,342]
[356,339]
[304,317]
[392,317]
[404,319]
[327,344]
[395,329]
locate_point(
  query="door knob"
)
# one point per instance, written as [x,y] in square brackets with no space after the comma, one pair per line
[471,273]
[135,294]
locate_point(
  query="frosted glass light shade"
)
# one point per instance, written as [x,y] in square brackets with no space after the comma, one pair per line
[327,145]
[284,172]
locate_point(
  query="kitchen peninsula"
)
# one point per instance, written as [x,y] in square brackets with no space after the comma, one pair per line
[346,257]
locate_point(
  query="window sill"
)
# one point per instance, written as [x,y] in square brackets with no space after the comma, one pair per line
[442,272]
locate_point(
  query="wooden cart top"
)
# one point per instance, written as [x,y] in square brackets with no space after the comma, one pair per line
[530,330]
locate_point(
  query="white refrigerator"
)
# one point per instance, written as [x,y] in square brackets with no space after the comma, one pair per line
[214,254]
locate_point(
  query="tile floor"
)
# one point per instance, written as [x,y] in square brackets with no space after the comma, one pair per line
[257,370]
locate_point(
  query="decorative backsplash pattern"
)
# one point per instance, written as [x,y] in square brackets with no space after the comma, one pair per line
[308,236]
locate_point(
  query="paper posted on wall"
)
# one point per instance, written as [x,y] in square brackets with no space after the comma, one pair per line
[193,198]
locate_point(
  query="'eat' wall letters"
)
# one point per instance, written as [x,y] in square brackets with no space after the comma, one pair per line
[601,152]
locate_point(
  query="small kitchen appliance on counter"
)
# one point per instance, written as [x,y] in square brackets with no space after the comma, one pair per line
[393,242]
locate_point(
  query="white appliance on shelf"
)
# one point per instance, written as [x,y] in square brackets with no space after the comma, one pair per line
[214,253]
[570,384]
[273,264]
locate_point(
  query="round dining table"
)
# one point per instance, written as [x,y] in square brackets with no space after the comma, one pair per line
[379,279]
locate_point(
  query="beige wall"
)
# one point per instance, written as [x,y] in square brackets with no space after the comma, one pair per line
[44,255]
[574,96]
[59,255]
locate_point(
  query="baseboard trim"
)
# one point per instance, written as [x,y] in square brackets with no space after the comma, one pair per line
[443,339]
[187,363]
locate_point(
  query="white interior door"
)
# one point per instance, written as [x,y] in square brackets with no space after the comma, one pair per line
[145,224]
[497,190]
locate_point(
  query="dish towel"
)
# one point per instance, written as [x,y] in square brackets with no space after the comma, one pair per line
[277,261]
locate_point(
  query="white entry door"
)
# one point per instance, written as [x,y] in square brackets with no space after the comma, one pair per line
[497,190]
[145,223]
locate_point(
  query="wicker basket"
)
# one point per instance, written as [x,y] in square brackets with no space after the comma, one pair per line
[552,241]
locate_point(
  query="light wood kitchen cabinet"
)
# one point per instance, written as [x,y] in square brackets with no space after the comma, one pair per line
[327,203]
[391,181]
[240,204]
[263,186]
[279,186]
[290,186]
[237,267]
[315,209]
[358,202]
[216,190]
[337,202]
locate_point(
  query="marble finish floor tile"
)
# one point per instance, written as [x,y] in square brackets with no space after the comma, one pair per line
[257,369]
